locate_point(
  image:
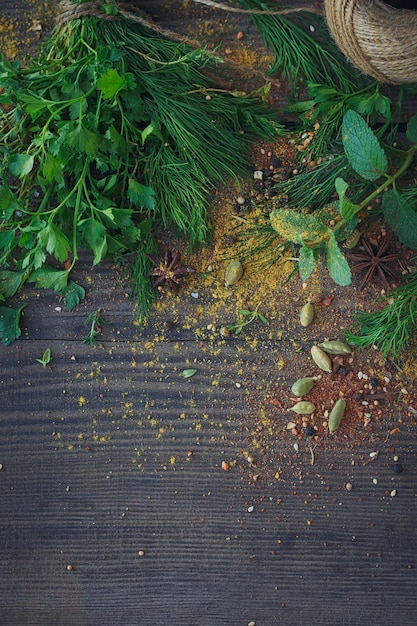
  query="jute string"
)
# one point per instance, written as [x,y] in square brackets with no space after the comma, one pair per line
[378,39]
[67,11]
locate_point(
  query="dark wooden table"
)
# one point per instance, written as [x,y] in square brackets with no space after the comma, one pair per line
[116,508]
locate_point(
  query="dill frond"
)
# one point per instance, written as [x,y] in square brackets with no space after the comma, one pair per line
[299,54]
[391,328]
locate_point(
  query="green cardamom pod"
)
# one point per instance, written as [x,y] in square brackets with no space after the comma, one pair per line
[335,347]
[303,408]
[233,273]
[306,314]
[302,386]
[321,359]
[336,415]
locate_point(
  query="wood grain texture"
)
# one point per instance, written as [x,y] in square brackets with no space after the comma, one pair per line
[96,467]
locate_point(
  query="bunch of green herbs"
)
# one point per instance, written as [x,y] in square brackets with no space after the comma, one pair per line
[111,133]
[302,48]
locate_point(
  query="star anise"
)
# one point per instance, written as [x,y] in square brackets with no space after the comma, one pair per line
[169,270]
[376,261]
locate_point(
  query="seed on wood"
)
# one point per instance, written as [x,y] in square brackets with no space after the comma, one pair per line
[306,314]
[303,408]
[321,359]
[233,273]
[70,568]
[336,415]
[302,386]
[348,486]
[335,347]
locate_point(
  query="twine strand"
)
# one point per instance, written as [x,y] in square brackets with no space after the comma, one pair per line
[378,39]
[230,9]
[67,11]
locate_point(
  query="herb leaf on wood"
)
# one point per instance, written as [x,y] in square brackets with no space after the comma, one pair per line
[111,133]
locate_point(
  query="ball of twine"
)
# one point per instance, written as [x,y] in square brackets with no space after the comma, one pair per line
[378,39]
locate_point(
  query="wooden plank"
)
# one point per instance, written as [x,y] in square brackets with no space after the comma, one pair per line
[109,452]
[92,482]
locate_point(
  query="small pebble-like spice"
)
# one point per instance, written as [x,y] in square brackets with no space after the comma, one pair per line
[398,468]
[70,568]
[309,431]
[141,553]
[373,382]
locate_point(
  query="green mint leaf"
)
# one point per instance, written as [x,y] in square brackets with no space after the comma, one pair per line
[336,263]
[362,147]
[307,262]
[110,83]
[49,278]
[412,129]
[347,209]
[140,194]
[10,323]
[72,295]
[297,227]
[10,282]
[383,106]
[401,217]
[21,165]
